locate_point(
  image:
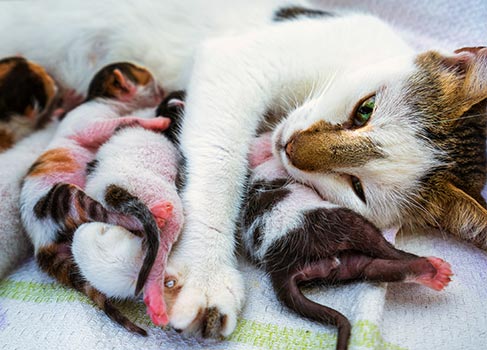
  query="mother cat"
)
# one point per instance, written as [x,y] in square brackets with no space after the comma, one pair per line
[370,124]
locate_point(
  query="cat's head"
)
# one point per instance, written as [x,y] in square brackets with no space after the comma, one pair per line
[400,142]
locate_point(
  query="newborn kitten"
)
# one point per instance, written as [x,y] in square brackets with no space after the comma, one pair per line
[27,98]
[53,204]
[298,237]
[134,166]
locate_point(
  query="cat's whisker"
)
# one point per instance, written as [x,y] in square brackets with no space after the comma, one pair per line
[329,83]
[413,200]
[460,118]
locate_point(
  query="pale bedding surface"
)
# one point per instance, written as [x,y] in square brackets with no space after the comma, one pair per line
[37,313]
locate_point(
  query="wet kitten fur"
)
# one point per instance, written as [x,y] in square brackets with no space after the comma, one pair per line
[238,66]
[27,98]
[53,203]
[141,164]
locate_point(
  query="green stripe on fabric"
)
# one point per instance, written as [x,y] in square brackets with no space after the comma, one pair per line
[265,335]
[271,336]
[367,335]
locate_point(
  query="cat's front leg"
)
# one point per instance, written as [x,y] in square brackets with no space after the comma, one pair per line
[233,82]
[213,290]
[228,93]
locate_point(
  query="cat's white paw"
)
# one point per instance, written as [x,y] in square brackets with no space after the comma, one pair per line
[209,301]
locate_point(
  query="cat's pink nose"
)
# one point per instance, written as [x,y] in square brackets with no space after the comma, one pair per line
[289,147]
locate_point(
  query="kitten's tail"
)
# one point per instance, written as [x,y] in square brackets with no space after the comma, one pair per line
[57,260]
[288,292]
[121,200]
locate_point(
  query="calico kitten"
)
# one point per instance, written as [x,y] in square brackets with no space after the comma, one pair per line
[27,98]
[418,144]
[134,166]
[297,237]
[53,204]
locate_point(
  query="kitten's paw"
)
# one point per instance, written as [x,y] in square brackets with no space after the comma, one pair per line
[162,211]
[438,280]
[155,124]
[156,308]
[209,302]
[109,257]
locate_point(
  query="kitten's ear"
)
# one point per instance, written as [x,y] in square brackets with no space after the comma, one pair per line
[122,85]
[119,80]
[463,216]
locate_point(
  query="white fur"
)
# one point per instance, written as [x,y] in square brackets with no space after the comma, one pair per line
[79,37]
[145,164]
[386,181]
[289,215]
[234,79]
[44,232]
[108,256]
[216,166]
[139,160]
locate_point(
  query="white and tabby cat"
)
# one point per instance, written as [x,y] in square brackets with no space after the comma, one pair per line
[405,157]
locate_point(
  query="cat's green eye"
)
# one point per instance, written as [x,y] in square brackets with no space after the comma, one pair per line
[364,112]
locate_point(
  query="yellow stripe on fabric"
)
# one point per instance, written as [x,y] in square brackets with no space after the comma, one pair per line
[265,335]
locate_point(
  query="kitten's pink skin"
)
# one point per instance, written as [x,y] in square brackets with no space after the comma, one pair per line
[260,150]
[154,288]
[161,197]
[81,151]
[156,307]
[70,100]
[99,132]
[440,279]
[162,211]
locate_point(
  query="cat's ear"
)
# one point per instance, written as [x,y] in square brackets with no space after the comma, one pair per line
[457,80]
[462,59]
[463,216]
[471,64]
[471,49]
